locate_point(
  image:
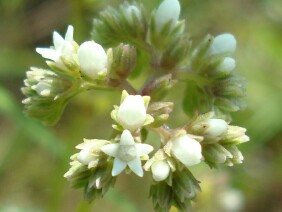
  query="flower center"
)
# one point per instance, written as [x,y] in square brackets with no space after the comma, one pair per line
[127,153]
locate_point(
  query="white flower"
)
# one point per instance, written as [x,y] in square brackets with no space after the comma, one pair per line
[187,150]
[169,10]
[227,65]
[63,47]
[160,170]
[92,59]
[215,127]
[131,114]
[127,152]
[223,44]
[90,152]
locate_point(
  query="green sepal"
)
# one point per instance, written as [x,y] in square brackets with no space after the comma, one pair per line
[195,100]
[160,39]
[99,182]
[179,192]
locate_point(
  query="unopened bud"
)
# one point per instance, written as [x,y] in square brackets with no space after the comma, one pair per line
[132,112]
[122,61]
[169,10]
[92,59]
[215,127]
[223,44]
[187,150]
[160,170]
[159,88]
[160,112]
[132,10]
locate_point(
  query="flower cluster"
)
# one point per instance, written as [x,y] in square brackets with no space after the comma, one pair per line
[222,87]
[139,45]
[47,94]
[73,69]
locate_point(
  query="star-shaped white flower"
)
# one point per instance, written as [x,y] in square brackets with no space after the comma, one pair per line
[63,47]
[127,152]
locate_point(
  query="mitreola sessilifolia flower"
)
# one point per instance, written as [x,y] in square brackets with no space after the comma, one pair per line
[127,153]
[63,48]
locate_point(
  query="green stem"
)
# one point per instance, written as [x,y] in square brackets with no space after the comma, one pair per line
[188,76]
[125,85]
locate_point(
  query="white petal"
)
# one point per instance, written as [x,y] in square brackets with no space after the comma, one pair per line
[110,149]
[132,112]
[160,170]
[57,40]
[126,138]
[118,167]
[67,49]
[136,167]
[47,53]
[69,34]
[143,149]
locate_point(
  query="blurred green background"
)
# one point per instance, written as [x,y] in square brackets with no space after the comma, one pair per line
[33,157]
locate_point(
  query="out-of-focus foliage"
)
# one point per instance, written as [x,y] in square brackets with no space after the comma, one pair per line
[33,158]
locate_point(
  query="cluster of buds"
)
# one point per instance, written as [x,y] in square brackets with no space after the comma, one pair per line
[212,60]
[220,140]
[134,40]
[47,94]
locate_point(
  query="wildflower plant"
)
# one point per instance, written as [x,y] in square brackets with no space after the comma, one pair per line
[128,42]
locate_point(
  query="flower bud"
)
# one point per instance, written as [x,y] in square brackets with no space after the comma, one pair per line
[169,10]
[121,62]
[223,44]
[90,152]
[130,10]
[187,150]
[215,127]
[92,59]
[160,112]
[160,170]
[160,87]
[132,112]
[227,65]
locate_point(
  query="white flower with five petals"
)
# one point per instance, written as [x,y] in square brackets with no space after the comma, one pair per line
[63,47]
[127,153]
